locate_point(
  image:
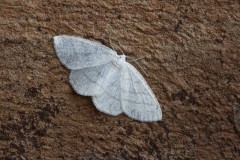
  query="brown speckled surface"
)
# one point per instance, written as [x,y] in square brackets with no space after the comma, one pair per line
[192,54]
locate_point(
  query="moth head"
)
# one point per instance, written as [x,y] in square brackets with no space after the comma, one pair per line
[120,61]
[122,57]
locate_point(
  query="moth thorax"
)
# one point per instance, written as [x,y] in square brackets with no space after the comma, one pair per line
[120,61]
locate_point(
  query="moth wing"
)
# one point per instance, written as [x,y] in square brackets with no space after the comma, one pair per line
[109,101]
[138,100]
[93,81]
[77,53]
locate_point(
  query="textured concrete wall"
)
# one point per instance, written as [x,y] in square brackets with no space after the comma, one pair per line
[192,58]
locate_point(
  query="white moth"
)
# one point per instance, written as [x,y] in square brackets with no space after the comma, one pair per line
[115,85]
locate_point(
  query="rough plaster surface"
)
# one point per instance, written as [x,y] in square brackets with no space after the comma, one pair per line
[192,58]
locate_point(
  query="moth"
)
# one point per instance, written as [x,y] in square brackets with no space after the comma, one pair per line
[115,85]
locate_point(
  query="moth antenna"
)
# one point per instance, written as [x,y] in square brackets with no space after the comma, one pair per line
[115,46]
[111,43]
[135,60]
[120,48]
